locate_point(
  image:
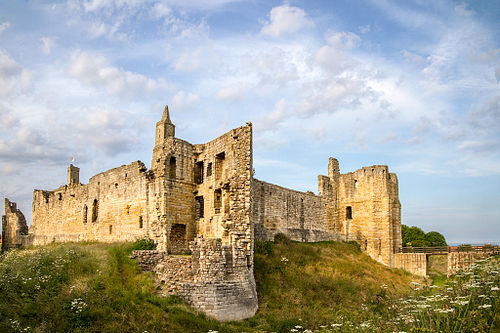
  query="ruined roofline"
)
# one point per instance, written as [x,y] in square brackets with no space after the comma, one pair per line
[141,165]
[201,145]
[391,177]
[288,189]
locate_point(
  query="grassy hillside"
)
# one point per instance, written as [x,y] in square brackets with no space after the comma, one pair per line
[97,288]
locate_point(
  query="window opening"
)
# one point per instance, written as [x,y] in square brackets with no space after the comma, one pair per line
[348,212]
[95,210]
[198,172]
[85,210]
[172,166]
[141,223]
[209,169]
[217,201]
[355,183]
[200,207]
[219,165]
[110,229]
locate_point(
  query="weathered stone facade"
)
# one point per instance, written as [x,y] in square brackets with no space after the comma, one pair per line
[14,228]
[201,200]
[362,206]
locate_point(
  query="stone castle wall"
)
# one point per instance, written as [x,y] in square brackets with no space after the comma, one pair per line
[113,206]
[14,228]
[362,206]
[369,211]
[201,200]
[300,216]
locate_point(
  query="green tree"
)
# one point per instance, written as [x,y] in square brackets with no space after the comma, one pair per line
[435,238]
[416,237]
[412,234]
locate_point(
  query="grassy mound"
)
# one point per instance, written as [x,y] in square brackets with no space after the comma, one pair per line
[97,288]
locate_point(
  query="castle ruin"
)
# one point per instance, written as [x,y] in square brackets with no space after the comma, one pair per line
[201,200]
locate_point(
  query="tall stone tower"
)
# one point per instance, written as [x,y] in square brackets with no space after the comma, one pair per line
[164,128]
[73,175]
[165,133]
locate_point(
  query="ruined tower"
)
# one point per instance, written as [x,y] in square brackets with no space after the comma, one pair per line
[73,175]
[14,228]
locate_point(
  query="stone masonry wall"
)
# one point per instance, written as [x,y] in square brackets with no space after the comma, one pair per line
[113,206]
[415,263]
[462,260]
[300,216]
[14,228]
[369,211]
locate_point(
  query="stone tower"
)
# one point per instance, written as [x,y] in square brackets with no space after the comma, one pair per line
[73,175]
[14,228]
[164,137]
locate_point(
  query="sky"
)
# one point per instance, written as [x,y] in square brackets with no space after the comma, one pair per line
[414,85]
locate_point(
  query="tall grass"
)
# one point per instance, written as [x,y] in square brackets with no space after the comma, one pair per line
[323,287]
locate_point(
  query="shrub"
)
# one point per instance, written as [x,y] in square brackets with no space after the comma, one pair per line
[356,244]
[264,248]
[144,244]
[281,238]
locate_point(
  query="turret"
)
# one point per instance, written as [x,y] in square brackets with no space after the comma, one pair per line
[164,128]
[73,175]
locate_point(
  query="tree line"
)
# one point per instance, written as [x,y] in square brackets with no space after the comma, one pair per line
[416,237]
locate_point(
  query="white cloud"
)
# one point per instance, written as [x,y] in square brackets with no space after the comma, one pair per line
[188,62]
[96,70]
[160,10]
[4,26]
[364,28]
[12,75]
[285,19]
[47,44]
[345,40]
[463,11]
[231,93]
[185,102]
[272,120]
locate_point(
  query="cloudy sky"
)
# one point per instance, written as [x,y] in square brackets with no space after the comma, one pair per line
[411,84]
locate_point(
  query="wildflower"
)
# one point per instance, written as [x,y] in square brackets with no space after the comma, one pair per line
[495,288]
[298,326]
[284,259]
[485,306]
[336,325]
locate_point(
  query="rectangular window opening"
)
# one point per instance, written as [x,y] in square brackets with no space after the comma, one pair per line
[198,172]
[219,165]
[209,169]
[217,201]
[200,207]
[172,166]
[348,212]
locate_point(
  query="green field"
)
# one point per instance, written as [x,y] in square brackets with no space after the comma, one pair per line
[302,287]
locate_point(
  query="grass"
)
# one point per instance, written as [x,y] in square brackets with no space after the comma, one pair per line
[302,287]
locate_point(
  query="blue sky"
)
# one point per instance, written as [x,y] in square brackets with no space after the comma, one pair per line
[411,84]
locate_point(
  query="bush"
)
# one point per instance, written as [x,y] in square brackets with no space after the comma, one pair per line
[144,244]
[281,238]
[264,248]
[356,244]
